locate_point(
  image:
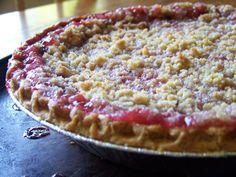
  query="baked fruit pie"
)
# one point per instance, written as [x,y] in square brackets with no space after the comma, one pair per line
[159,77]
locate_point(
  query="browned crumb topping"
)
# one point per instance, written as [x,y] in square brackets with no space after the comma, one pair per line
[186,66]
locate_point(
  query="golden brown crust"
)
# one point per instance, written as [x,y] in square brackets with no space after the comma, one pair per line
[155,137]
[98,126]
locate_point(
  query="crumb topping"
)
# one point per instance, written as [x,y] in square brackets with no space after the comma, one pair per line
[167,65]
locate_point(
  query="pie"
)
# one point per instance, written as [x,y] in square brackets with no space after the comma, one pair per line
[161,77]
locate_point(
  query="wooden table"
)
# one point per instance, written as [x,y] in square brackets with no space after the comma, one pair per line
[18,26]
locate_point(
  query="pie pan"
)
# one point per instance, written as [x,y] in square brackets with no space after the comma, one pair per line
[184,163]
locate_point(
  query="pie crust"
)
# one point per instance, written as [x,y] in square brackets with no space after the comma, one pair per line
[159,77]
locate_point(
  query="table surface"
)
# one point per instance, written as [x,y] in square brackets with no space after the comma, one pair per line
[18,26]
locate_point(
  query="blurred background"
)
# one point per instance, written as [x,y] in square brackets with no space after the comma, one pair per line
[20,5]
[14,5]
